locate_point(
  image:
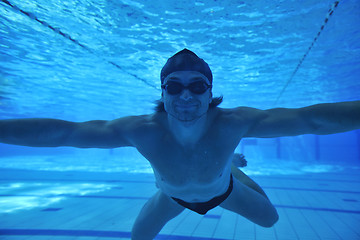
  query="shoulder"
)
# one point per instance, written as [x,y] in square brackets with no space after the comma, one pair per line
[239,120]
[242,114]
[140,122]
[139,128]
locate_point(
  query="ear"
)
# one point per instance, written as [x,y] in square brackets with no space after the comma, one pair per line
[162,97]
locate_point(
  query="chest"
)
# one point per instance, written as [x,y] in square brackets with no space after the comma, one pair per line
[201,162]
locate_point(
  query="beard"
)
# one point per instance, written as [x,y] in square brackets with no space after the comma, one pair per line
[187,112]
[186,116]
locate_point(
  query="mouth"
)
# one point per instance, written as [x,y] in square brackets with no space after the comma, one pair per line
[186,106]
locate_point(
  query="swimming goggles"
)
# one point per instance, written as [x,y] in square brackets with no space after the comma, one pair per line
[173,88]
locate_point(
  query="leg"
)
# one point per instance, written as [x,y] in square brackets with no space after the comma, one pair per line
[242,177]
[250,203]
[154,215]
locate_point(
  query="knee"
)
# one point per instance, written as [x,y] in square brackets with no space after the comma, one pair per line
[141,230]
[135,234]
[270,221]
[138,234]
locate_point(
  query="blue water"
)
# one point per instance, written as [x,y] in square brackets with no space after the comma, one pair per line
[111,66]
[83,60]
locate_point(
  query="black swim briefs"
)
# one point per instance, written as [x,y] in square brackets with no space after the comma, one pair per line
[203,207]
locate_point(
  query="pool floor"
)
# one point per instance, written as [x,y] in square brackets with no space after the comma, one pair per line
[311,206]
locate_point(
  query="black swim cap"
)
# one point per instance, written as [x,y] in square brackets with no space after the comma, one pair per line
[186,60]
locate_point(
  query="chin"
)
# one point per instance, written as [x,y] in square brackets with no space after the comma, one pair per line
[187,119]
[188,116]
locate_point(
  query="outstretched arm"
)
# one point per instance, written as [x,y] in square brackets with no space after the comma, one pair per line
[52,133]
[321,119]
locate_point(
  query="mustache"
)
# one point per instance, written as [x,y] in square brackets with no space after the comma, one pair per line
[190,102]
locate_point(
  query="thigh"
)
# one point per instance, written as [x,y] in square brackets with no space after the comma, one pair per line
[245,179]
[156,212]
[250,204]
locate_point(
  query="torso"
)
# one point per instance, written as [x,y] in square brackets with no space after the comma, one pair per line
[194,173]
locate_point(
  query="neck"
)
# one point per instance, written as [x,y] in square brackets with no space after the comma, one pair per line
[188,132]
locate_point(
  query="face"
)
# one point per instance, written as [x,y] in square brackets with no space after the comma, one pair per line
[192,102]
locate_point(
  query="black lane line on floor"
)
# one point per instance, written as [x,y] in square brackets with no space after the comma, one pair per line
[312,190]
[318,209]
[75,196]
[146,198]
[90,233]
[309,178]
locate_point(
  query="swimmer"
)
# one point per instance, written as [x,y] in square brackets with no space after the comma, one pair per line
[190,141]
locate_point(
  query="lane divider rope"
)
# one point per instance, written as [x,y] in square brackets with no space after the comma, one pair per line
[330,12]
[67,36]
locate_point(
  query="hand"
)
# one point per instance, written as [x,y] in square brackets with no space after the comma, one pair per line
[239,160]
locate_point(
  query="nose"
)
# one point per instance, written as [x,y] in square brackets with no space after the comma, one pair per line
[186,95]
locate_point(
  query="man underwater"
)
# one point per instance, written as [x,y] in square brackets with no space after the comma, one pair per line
[189,142]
